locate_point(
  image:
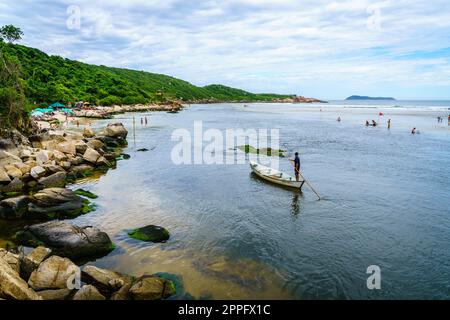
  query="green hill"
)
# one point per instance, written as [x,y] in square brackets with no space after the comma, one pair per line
[52,78]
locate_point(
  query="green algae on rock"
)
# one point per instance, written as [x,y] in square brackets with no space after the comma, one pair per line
[86,193]
[150,233]
[263,151]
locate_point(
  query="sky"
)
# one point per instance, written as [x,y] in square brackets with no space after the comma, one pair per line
[316,48]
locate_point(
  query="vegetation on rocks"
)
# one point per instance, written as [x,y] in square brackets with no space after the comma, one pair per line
[263,151]
[150,234]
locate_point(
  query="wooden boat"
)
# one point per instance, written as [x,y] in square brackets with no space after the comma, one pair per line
[276,176]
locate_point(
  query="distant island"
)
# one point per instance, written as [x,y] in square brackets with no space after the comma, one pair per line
[369,98]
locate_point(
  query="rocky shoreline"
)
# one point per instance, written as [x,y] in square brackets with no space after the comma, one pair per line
[34,171]
[54,158]
[42,275]
[107,112]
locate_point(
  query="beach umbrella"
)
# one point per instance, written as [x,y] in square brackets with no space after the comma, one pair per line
[57,105]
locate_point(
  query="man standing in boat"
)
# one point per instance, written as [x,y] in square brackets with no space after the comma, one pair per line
[296,162]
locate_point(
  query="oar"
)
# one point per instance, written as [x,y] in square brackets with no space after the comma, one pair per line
[308,184]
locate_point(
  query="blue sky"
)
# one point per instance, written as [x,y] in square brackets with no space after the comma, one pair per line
[318,48]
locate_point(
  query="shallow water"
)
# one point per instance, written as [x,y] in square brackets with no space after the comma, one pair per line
[386,203]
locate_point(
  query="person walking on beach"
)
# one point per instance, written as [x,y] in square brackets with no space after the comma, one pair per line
[339,119]
[449,119]
[296,162]
[146,122]
[374,123]
[367,123]
[389,124]
[413,131]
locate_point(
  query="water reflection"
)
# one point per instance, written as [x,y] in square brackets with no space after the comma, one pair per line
[295,206]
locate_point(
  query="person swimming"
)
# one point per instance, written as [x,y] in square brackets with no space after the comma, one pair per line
[374,123]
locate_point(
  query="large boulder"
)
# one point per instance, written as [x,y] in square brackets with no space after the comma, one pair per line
[59,156]
[88,133]
[95,144]
[37,172]
[12,286]
[8,158]
[152,288]
[116,130]
[150,233]
[106,281]
[53,273]
[42,157]
[67,147]
[67,240]
[4,177]
[81,146]
[13,172]
[31,261]
[88,292]
[14,186]
[14,208]
[54,203]
[57,179]
[91,155]
[12,259]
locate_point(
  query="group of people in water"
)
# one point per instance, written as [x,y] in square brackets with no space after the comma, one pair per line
[373,123]
[144,121]
[441,119]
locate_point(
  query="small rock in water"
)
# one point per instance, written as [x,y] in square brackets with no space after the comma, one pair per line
[150,234]
[143,150]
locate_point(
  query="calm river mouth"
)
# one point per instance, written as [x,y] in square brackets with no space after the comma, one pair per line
[234,236]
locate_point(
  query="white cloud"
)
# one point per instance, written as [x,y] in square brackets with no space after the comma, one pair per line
[260,45]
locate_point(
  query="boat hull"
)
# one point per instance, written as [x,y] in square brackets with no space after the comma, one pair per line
[276,177]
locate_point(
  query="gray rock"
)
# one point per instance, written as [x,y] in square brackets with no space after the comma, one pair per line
[57,179]
[14,208]
[81,147]
[106,281]
[67,147]
[67,240]
[88,292]
[42,157]
[12,286]
[55,202]
[91,155]
[53,273]
[116,130]
[95,144]
[14,186]
[37,172]
[31,262]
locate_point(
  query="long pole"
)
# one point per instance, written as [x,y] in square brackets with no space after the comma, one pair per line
[308,184]
[134,131]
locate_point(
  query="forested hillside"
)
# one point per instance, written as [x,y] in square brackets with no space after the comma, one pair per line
[51,78]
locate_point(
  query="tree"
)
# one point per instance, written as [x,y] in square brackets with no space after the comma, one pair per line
[13,103]
[10,33]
